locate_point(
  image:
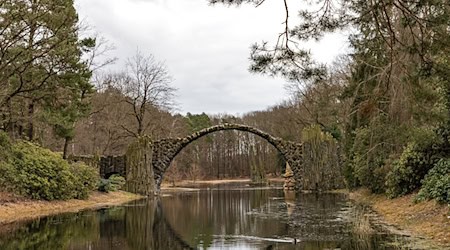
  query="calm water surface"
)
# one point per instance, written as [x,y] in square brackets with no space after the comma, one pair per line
[212,218]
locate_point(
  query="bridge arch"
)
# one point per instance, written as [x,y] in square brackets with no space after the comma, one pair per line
[165,150]
[269,138]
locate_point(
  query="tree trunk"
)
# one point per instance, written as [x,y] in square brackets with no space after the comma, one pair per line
[66,146]
[139,130]
[31,41]
[30,132]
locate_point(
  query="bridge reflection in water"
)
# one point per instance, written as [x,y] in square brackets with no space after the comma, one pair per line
[233,218]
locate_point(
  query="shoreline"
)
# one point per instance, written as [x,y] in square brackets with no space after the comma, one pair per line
[426,220]
[16,209]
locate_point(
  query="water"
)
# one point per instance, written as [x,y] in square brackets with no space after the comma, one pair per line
[212,218]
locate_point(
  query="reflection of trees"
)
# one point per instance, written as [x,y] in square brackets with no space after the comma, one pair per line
[142,226]
[51,233]
[316,214]
[199,216]
[139,220]
[147,228]
[315,220]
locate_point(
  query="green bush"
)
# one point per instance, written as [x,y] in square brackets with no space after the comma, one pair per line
[39,173]
[391,157]
[113,183]
[351,180]
[104,185]
[409,170]
[368,158]
[436,184]
[86,179]
[5,148]
[5,143]
[7,172]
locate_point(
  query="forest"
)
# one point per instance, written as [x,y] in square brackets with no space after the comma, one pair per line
[386,102]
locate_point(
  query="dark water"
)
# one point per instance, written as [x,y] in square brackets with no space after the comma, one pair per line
[233,218]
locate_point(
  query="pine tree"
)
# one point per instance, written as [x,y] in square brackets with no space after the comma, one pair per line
[41,68]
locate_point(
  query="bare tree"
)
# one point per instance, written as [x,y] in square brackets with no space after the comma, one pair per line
[146,84]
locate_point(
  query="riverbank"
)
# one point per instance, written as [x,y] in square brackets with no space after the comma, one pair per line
[14,208]
[427,219]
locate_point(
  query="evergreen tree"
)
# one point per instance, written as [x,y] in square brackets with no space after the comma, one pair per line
[398,85]
[41,67]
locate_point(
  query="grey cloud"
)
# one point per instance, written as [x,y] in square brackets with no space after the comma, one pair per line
[204,47]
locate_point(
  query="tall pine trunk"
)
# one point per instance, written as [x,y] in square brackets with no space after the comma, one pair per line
[30,130]
[66,146]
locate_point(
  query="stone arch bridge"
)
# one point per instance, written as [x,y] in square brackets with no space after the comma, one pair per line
[155,157]
[165,150]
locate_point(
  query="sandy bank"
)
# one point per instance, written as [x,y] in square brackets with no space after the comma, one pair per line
[426,219]
[14,208]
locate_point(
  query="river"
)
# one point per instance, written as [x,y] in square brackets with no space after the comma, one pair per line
[216,217]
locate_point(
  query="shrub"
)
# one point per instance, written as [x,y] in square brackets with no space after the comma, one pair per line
[113,183]
[86,179]
[104,185]
[409,170]
[39,173]
[7,172]
[5,143]
[351,180]
[5,147]
[387,156]
[368,157]
[436,184]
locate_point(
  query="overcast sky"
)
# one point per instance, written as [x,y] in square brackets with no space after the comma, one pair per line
[205,48]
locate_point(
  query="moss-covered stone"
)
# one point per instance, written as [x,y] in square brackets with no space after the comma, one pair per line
[140,176]
[322,169]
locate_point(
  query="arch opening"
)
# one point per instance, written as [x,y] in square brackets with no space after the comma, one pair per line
[227,154]
[109,174]
[165,150]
